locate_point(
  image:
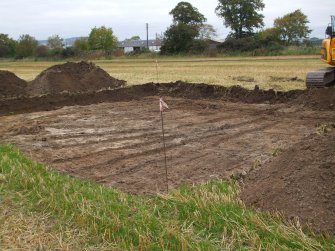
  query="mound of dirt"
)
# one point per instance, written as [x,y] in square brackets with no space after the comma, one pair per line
[299,182]
[73,78]
[11,85]
[56,99]
[233,93]
[321,99]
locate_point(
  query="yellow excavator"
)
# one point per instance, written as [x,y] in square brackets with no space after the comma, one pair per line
[325,77]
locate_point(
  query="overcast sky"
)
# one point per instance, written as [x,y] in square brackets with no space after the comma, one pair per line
[74,18]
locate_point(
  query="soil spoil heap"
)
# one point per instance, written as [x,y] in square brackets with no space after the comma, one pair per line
[299,182]
[320,98]
[73,78]
[11,85]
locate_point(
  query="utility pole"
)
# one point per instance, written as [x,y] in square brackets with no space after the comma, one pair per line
[147,35]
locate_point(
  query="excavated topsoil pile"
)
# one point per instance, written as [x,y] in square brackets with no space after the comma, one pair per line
[233,93]
[323,99]
[299,182]
[11,85]
[73,78]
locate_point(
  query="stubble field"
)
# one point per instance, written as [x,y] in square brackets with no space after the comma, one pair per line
[279,73]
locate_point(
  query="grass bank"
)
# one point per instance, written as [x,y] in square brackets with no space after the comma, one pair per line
[205,217]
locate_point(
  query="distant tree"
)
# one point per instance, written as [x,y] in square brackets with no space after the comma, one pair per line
[26,46]
[269,34]
[180,37]
[133,38]
[55,42]
[102,38]
[241,16]
[207,31]
[81,44]
[292,27]
[7,46]
[42,51]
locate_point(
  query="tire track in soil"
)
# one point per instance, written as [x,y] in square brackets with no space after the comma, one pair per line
[120,160]
[149,143]
[197,136]
[119,144]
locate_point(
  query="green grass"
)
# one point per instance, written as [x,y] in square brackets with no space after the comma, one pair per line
[205,217]
[219,70]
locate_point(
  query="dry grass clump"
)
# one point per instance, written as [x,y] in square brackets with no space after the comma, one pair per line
[24,230]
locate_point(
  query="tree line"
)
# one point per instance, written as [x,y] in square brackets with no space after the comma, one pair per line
[101,38]
[245,21]
[188,33]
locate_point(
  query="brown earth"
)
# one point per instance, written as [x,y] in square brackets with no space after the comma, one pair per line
[299,182]
[285,140]
[11,85]
[72,77]
[320,99]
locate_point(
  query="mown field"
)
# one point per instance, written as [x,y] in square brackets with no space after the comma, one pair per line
[279,73]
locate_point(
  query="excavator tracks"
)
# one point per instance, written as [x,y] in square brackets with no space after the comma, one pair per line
[321,78]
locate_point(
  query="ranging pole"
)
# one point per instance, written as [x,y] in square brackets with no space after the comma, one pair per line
[147,25]
[163,105]
[157,70]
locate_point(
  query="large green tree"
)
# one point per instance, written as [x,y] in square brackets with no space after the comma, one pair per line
[102,38]
[7,46]
[185,13]
[181,36]
[26,46]
[292,27]
[241,16]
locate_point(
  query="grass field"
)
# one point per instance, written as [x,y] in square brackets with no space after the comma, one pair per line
[44,210]
[267,72]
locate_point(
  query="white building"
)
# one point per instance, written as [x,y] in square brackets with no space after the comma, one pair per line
[138,45]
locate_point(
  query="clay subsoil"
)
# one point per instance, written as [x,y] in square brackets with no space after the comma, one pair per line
[279,145]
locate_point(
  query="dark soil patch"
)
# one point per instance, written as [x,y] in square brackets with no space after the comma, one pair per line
[244,79]
[11,85]
[177,89]
[286,79]
[318,99]
[298,183]
[73,78]
[321,99]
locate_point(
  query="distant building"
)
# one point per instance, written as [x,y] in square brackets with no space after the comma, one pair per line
[213,44]
[315,41]
[138,45]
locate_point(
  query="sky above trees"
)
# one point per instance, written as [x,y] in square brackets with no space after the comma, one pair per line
[127,18]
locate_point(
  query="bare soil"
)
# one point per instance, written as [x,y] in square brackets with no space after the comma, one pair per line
[72,77]
[11,85]
[299,182]
[280,143]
